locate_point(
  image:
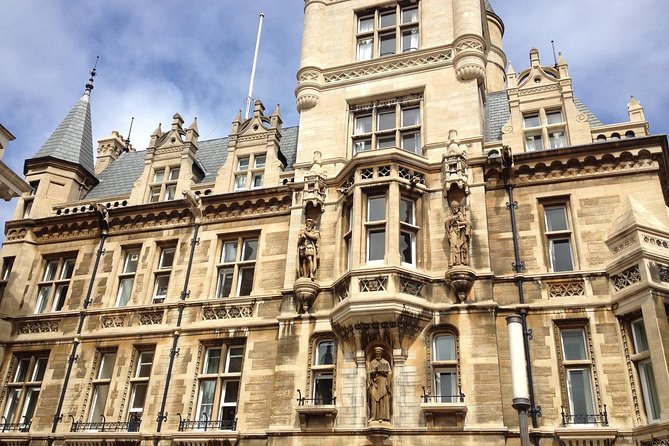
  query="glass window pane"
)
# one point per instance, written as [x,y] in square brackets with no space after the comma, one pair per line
[50,271]
[387,19]
[230,391]
[243,164]
[407,208]
[246,280]
[446,386]
[376,246]
[224,283]
[325,353]
[159,176]
[410,15]
[556,218]
[240,182]
[554,117]
[212,360]
[42,298]
[40,369]
[534,143]
[29,405]
[376,208]
[107,366]
[386,120]
[166,258]
[22,370]
[573,344]
[407,247]
[68,269]
[229,252]
[366,24]
[235,355]
[250,249]
[131,260]
[155,194]
[362,145]
[639,336]
[444,348]
[410,116]
[174,174]
[410,40]
[257,180]
[387,45]
[411,142]
[386,141]
[365,48]
[206,404]
[557,139]
[124,291]
[160,290]
[260,161]
[59,298]
[560,250]
[99,402]
[227,416]
[650,395]
[138,396]
[144,364]
[530,121]
[580,394]
[12,405]
[323,388]
[363,124]
[170,192]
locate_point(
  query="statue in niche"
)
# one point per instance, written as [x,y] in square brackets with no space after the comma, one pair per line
[307,243]
[379,393]
[459,232]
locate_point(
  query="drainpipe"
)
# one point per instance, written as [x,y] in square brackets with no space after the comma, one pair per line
[104,229]
[518,267]
[174,351]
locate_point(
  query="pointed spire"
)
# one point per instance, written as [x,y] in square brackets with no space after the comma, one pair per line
[72,140]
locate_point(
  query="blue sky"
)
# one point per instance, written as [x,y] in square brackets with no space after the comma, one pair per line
[158,58]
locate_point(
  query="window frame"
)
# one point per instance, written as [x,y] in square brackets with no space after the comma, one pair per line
[23,388]
[222,376]
[411,228]
[375,226]
[237,266]
[99,382]
[544,129]
[368,133]
[56,287]
[140,380]
[163,273]
[449,366]
[249,171]
[374,34]
[124,276]
[163,185]
[321,371]
[552,237]
[642,361]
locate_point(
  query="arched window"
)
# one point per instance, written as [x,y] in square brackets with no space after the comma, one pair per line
[322,371]
[630,134]
[445,369]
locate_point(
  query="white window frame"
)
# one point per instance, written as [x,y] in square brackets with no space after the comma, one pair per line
[372,35]
[554,236]
[250,171]
[23,390]
[127,276]
[376,226]
[542,127]
[243,261]
[644,368]
[140,379]
[53,289]
[583,365]
[372,134]
[163,273]
[101,380]
[163,186]
[410,228]
[446,366]
[323,370]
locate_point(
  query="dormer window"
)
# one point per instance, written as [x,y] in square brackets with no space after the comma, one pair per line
[250,171]
[544,130]
[164,184]
[384,32]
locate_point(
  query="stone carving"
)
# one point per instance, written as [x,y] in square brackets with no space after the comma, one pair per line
[113,321]
[40,327]
[227,312]
[566,289]
[379,378]
[307,243]
[151,318]
[459,232]
[626,278]
[410,286]
[372,284]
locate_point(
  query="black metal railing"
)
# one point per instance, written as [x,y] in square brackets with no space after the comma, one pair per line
[601,418]
[206,424]
[323,401]
[132,425]
[14,427]
[457,398]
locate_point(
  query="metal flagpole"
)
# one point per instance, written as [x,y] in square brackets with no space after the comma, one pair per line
[253,69]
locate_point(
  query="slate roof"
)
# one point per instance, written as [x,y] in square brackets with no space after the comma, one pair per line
[488,7]
[73,139]
[496,112]
[592,119]
[119,177]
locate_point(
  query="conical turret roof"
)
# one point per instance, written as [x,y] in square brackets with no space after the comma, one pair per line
[72,140]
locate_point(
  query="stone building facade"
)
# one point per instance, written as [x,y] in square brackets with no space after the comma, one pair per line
[347,281]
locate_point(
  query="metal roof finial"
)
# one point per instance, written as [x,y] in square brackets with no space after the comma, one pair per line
[89,85]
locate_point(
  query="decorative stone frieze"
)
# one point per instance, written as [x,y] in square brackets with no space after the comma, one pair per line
[372,284]
[150,317]
[113,321]
[411,286]
[39,327]
[572,288]
[227,312]
[628,277]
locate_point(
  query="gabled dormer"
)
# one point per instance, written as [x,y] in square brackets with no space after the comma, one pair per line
[62,169]
[254,159]
[170,165]
[544,112]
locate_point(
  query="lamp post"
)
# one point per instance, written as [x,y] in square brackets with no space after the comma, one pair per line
[521,391]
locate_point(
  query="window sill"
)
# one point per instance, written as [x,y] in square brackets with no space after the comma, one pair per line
[575,434]
[317,417]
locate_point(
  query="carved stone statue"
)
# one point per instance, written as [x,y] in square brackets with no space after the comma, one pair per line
[459,232]
[379,392]
[307,243]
